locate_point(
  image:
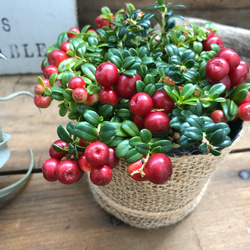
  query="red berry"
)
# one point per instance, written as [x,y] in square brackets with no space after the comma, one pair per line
[218,116]
[141,104]
[91,99]
[138,120]
[58,155]
[80,95]
[84,165]
[217,68]
[244,112]
[230,56]
[67,172]
[76,82]
[65,47]
[106,74]
[44,63]
[161,100]
[113,161]
[158,168]
[39,88]
[157,122]
[49,169]
[42,101]
[101,22]
[55,57]
[49,70]
[74,32]
[214,39]
[238,75]
[210,33]
[244,63]
[133,170]
[108,96]
[126,85]
[101,175]
[97,153]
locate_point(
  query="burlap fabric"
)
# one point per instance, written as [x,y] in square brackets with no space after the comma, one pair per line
[149,206]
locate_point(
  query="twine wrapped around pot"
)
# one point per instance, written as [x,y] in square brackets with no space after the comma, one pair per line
[146,205]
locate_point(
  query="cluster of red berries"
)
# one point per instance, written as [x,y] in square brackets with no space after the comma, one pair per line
[227,68]
[99,160]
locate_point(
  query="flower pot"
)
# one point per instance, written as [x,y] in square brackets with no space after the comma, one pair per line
[149,206]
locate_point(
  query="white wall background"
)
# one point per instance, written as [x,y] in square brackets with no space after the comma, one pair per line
[27,27]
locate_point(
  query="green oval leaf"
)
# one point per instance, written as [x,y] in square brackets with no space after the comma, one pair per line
[145,135]
[142,148]
[187,91]
[92,117]
[133,155]
[130,128]
[122,148]
[85,131]
[63,134]
[107,130]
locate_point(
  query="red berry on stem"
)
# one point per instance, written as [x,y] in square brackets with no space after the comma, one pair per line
[138,120]
[97,153]
[67,172]
[42,101]
[101,22]
[135,171]
[113,161]
[80,95]
[55,57]
[101,175]
[217,68]
[108,96]
[210,33]
[158,168]
[141,104]
[230,56]
[84,165]
[244,63]
[218,116]
[214,39]
[106,74]
[49,70]
[65,46]
[226,81]
[58,155]
[244,112]
[74,31]
[49,169]
[126,85]
[91,99]
[238,75]
[157,122]
[161,100]
[76,82]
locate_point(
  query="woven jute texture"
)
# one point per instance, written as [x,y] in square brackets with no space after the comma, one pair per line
[149,206]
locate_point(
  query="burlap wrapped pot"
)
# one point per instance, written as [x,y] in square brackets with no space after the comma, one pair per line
[149,206]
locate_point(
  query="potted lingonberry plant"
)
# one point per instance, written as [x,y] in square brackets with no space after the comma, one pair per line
[151,111]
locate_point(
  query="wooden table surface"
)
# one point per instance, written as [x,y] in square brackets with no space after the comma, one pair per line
[43,215]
